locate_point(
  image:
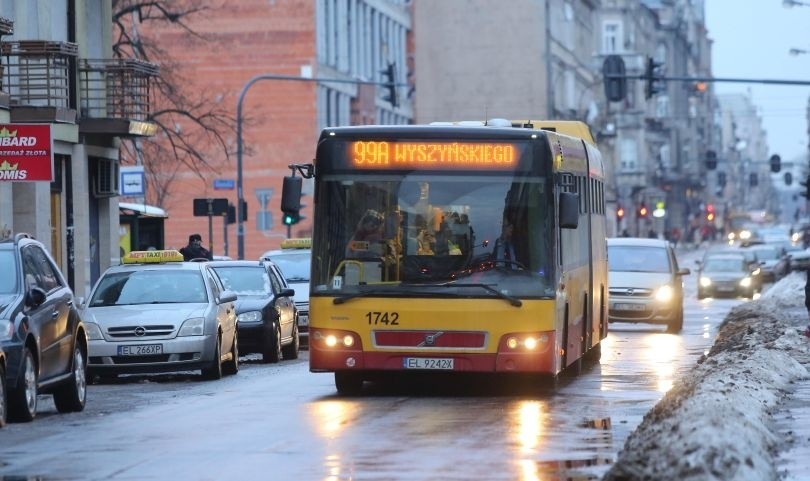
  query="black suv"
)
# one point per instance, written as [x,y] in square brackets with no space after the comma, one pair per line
[40,331]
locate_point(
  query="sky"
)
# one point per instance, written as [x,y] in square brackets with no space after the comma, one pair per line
[752,40]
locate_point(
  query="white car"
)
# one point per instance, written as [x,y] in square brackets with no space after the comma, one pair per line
[293,260]
[645,283]
[156,313]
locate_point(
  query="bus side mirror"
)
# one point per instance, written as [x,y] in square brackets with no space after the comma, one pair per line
[569,210]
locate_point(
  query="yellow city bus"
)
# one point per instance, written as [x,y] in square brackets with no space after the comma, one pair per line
[407,273]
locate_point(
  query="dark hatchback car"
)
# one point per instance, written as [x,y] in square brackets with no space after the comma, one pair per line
[267,320]
[3,398]
[41,331]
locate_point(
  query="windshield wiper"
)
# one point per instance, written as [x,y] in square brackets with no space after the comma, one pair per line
[512,300]
[371,292]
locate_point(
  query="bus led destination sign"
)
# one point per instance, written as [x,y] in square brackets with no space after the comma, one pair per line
[430,155]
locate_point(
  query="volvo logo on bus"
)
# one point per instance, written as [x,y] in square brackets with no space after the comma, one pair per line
[430,339]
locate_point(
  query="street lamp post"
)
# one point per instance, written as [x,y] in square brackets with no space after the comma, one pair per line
[240,228]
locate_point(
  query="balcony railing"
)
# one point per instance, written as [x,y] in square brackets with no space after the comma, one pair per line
[37,72]
[116,88]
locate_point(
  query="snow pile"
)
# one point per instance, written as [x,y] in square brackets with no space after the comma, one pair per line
[715,423]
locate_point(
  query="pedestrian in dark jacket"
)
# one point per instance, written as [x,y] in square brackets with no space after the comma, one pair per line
[195,250]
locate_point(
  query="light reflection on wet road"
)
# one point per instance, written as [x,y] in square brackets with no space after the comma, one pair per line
[281,422]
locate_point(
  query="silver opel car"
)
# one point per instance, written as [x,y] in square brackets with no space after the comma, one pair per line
[156,313]
[645,284]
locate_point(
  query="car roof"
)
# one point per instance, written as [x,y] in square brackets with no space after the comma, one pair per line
[281,252]
[724,255]
[637,241]
[238,263]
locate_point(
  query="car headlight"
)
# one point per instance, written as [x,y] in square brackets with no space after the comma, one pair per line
[93,331]
[746,234]
[252,316]
[6,329]
[746,282]
[731,236]
[756,272]
[192,327]
[705,281]
[664,293]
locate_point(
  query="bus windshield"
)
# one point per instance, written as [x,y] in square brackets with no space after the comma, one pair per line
[421,233]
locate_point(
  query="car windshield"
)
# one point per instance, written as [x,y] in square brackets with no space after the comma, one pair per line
[723,265]
[638,259]
[767,254]
[245,280]
[163,286]
[8,281]
[294,265]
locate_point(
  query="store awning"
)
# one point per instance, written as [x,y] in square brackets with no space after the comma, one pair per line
[143,210]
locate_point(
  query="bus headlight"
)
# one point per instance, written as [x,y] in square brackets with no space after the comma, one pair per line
[664,293]
[705,281]
[746,282]
[527,342]
[336,339]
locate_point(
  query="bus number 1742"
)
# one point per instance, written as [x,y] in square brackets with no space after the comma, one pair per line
[387,318]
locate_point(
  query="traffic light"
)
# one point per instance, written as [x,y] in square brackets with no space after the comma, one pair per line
[710,212]
[721,179]
[643,211]
[619,213]
[613,74]
[753,179]
[700,87]
[652,78]
[291,219]
[788,178]
[291,200]
[390,80]
[711,160]
[776,163]
[806,185]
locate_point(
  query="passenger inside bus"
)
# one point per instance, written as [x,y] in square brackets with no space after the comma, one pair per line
[368,239]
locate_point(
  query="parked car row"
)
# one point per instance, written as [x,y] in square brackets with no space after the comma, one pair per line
[152,313]
[42,335]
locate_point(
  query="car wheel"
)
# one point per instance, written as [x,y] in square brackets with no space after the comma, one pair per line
[214,370]
[290,351]
[676,323]
[348,383]
[23,398]
[271,347]
[71,397]
[3,407]
[232,366]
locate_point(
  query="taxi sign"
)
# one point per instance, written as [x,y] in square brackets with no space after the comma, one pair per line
[143,257]
[297,243]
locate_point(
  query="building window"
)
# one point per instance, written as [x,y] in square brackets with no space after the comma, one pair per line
[611,37]
[628,155]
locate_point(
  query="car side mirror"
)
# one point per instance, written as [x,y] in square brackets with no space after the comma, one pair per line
[684,271]
[35,297]
[227,296]
[288,292]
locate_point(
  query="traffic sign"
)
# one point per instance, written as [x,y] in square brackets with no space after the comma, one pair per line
[224,184]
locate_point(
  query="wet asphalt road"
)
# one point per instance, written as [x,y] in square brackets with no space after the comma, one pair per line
[282,422]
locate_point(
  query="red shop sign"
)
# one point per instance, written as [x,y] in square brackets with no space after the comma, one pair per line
[26,153]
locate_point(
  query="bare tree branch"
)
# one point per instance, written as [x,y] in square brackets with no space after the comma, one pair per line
[193,129]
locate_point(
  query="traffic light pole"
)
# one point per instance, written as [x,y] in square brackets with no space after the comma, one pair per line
[240,228]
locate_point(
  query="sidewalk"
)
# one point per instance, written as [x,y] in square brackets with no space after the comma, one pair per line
[740,415]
